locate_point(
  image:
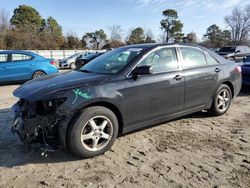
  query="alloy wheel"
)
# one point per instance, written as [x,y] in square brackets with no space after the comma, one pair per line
[39,74]
[223,100]
[96,133]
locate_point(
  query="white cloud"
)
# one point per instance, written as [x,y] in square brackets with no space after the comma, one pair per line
[212,5]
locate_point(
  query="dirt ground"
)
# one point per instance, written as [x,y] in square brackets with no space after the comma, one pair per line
[194,151]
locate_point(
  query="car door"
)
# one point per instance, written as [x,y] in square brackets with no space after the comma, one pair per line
[21,66]
[155,95]
[5,73]
[201,72]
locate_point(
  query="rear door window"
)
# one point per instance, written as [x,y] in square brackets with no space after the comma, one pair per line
[21,57]
[192,57]
[211,60]
[3,58]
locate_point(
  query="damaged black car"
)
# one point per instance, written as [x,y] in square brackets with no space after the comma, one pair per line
[125,89]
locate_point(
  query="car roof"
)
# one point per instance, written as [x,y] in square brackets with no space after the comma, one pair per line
[17,51]
[153,45]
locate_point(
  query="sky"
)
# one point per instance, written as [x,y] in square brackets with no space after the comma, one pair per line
[80,16]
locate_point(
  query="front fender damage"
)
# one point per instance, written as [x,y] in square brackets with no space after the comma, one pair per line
[44,122]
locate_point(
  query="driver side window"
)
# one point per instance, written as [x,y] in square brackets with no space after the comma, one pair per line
[161,60]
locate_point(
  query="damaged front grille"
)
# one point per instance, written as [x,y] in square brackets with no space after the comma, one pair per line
[36,122]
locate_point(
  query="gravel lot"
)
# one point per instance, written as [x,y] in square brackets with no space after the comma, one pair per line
[193,151]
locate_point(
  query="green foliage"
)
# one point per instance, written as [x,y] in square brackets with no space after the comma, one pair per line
[53,27]
[178,37]
[72,42]
[54,30]
[191,38]
[113,44]
[97,39]
[216,38]
[26,16]
[137,36]
[171,25]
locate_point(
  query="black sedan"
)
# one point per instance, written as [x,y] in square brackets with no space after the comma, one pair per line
[125,89]
[84,60]
[246,70]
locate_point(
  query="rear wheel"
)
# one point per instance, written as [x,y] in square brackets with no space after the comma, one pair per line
[221,101]
[38,74]
[93,132]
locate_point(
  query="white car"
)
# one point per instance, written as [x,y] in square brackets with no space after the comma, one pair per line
[69,62]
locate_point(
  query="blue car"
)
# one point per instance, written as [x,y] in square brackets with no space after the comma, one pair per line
[246,70]
[23,65]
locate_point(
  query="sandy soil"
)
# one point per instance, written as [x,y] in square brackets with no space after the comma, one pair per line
[194,151]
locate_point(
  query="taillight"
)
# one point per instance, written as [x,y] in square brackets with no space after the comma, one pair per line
[53,63]
[238,69]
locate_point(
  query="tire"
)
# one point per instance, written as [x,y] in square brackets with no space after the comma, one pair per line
[221,101]
[72,66]
[38,74]
[93,132]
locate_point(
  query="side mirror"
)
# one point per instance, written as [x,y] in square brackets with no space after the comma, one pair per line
[142,70]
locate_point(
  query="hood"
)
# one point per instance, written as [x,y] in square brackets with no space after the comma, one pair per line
[42,88]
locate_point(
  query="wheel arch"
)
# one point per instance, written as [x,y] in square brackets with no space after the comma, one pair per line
[231,86]
[37,71]
[111,107]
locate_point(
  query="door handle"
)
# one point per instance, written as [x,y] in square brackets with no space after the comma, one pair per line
[217,70]
[178,77]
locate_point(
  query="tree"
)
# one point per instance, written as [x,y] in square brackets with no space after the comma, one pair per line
[136,36]
[53,27]
[54,30]
[72,42]
[214,36]
[113,44]
[191,37]
[149,37]
[4,27]
[226,38]
[115,33]
[116,41]
[179,37]
[4,20]
[27,17]
[170,24]
[239,24]
[98,39]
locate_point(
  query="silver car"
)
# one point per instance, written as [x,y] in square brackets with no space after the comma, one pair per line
[69,62]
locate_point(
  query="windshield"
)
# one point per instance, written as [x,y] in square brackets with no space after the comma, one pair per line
[228,49]
[112,62]
[74,55]
[89,56]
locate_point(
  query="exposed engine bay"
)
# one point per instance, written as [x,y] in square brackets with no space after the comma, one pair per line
[37,122]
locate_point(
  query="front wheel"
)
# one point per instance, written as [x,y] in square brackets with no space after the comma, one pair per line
[72,66]
[221,101]
[93,132]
